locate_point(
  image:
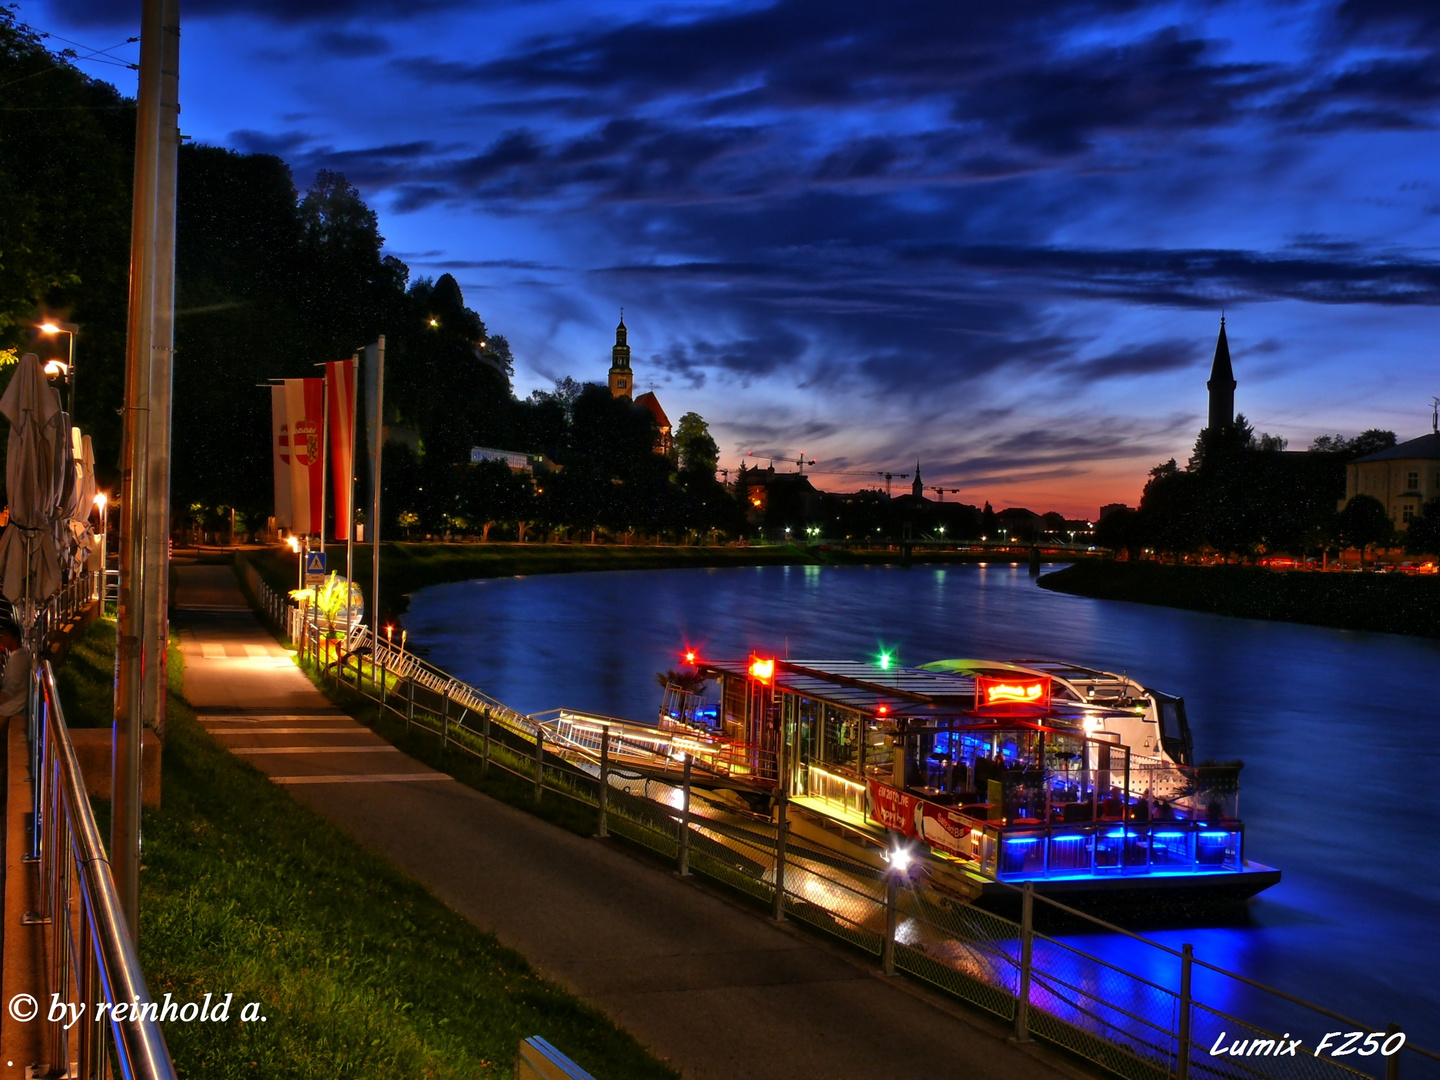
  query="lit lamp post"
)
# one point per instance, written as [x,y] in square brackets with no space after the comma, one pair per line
[52,328]
[101,499]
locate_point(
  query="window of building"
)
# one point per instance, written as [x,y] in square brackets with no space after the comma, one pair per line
[1413,483]
[1407,514]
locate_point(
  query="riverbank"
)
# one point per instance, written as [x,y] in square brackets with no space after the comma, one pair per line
[1386,603]
[406,567]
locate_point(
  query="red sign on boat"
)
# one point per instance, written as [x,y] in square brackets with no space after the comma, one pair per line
[1006,696]
[936,825]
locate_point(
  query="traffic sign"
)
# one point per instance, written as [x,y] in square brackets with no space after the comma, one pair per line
[314,568]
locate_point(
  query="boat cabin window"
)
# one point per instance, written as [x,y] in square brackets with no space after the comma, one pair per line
[1174,729]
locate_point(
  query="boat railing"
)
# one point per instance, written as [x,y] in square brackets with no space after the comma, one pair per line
[660,749]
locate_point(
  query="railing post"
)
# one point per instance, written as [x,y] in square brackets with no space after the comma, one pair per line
[378,657]
[1182,1043]
[445,720]
[782,825]
[604,800]
[410,706]
[684,858]
[892,913]
[539,762]
[1027,952]
[1392,1063]
[484,741]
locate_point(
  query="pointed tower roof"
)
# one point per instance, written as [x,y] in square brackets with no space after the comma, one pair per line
[1220,370]
[918,487]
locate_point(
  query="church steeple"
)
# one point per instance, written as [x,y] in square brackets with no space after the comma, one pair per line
[1222,384]
[621,382]
[918,487]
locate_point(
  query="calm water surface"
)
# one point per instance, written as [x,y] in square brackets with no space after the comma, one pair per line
[1338,730]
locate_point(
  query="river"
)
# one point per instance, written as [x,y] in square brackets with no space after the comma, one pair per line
[1339,731]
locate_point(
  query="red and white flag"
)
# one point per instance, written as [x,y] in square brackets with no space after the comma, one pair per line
[305,414]
[280,452]
[340,380]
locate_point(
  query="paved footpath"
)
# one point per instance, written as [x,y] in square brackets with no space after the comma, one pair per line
[710,986]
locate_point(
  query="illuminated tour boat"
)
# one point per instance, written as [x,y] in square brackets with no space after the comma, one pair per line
[1080,781]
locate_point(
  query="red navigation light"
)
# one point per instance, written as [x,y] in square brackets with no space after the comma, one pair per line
[689,656]
[763,670]
[884,709]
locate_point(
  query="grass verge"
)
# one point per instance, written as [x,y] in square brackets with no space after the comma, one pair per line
[1389,603]
[359,970]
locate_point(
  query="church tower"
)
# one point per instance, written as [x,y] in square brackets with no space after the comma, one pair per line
[622,384]
[1221,385]
[918,487]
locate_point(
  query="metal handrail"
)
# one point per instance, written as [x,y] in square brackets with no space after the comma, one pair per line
[93,958]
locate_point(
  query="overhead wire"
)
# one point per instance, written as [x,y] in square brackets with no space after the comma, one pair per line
[94,55]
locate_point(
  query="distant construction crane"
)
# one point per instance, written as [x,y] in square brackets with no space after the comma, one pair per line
[943,491]
[799,462]
[892,476]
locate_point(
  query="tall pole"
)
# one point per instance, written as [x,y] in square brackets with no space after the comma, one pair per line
[350,504]
[378,435]
[156,622]
[134,478]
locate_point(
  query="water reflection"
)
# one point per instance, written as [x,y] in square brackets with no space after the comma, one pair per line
[1335,728]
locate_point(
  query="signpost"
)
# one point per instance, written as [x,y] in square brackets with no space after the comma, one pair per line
[314,568]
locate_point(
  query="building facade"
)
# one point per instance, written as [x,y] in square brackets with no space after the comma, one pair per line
[1404,477]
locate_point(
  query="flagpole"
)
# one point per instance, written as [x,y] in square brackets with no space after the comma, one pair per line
[350,499]
[375,480]
[324,451]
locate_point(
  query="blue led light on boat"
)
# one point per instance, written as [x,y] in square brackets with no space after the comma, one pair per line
[1167,835]
[1214,834]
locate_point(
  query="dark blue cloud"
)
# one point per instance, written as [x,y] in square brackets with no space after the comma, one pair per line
[127,12]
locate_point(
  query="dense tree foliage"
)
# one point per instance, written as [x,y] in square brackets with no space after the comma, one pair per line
[1243,494]
[66,154]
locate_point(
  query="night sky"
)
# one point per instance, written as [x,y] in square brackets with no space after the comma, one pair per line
[996,237]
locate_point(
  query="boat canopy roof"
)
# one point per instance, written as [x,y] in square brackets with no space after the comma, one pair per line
[937,691]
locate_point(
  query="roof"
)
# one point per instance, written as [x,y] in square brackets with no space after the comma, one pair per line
[1220,369]
[866,687]
[649,401]
[1425,448]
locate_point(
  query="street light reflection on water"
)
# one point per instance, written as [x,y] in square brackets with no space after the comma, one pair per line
[1332,726]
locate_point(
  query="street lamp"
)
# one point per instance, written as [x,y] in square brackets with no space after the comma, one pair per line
[52,328]
[300,563]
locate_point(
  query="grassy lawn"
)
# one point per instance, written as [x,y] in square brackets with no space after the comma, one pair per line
[359,970]
[1390,603]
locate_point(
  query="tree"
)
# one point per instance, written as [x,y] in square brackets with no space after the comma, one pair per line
[697,450]
[1422,536]
[1363,523]
[1121,530]
[1367,442]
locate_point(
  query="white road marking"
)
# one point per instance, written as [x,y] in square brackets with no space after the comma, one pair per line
[374,778]
[313,750]
[223,718]
[336,730]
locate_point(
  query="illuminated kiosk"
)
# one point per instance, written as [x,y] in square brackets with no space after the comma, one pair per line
[1079,781]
